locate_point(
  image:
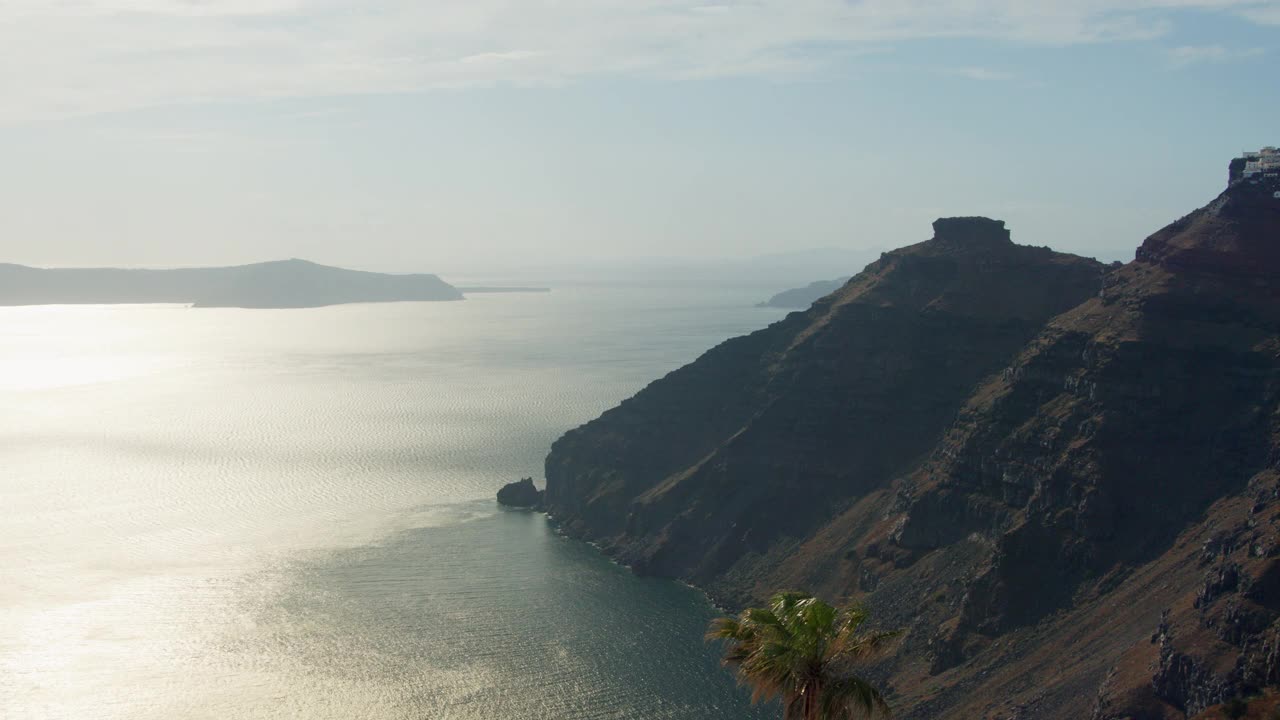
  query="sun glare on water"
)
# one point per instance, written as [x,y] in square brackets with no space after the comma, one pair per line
[36,357]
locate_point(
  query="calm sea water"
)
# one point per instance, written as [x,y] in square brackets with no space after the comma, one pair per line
[288,514]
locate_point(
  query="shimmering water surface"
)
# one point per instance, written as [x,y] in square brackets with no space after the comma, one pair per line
[288,514]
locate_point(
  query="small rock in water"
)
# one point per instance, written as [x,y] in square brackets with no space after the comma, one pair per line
[520,494]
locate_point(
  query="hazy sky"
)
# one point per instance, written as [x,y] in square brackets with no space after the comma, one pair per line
[427,135]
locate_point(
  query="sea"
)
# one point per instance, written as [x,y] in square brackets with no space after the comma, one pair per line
[243,514]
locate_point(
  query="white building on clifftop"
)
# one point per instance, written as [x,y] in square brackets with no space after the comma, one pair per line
[1264,163]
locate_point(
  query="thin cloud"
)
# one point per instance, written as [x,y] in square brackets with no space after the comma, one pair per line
[1187,55]
[92,56]
[500,57]
[979,73]
[1264,13]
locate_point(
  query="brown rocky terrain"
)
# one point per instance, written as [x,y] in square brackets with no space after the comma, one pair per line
[1061,483]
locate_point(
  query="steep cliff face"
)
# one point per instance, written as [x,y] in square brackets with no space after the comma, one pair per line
[713,472]
[1118,476]
[1063,487]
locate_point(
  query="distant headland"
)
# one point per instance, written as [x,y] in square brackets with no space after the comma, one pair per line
[802,297]
[279,284]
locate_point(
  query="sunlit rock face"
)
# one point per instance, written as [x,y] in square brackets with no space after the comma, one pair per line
[1059,480]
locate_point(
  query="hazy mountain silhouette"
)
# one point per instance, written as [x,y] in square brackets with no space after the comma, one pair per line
[802,297]
[280,284]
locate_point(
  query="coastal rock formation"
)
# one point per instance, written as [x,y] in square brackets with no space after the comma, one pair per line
[281,284]
[716,472]
[522,493]
[1062,484]
[802,297]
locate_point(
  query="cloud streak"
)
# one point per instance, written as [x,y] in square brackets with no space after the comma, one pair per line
[88,56]
[979,73]
[1187,55]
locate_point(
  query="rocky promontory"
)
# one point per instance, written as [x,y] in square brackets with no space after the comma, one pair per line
[1060,480]
[522,494]
[704,472]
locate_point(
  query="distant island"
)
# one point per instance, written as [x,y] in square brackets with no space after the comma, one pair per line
[801,298]
[279,284]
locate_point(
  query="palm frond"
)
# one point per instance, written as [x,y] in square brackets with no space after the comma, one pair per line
[850,698]
[793,707]
[863,645]
[725,628]
[795,649]
[763,617]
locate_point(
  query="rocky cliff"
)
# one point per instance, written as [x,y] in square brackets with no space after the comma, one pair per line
[1061,483]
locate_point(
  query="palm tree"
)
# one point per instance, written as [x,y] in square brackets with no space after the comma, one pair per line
[800,648]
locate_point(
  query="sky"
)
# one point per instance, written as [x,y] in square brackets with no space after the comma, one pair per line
[495,135]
